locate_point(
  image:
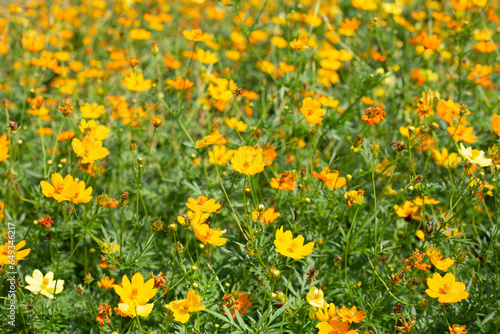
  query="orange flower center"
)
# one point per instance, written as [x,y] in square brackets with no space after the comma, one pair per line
[134,293]
[60,187]
[445,288]
[246,164]
[45,282]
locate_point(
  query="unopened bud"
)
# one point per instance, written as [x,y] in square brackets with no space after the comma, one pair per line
[88,277]
[461,257]
[133,146]
[274,274]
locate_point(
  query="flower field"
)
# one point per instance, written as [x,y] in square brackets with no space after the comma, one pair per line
[250,166]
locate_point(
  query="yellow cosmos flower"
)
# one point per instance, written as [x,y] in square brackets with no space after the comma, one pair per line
[183,308]
[444,159]
[89,149]
[292,247]
[7,258]
[196,217]
[311,110]
[82,195]
[219,155]
[208,235]
[213,138]
[136,291]
[60,189]
[202,204]
[474,156]
[45,285]
[93,110]
[445,288]
[91,128]
[136,83]
[247,160]
[133,310]
[233,123]
[4,148]
[197,35]
[437,259]
[265,217]
[327,312]
[315,298]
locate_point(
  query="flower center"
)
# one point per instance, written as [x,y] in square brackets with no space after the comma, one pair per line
[246,164]
[60,187]
[134,293]
[45,282]
[445,288]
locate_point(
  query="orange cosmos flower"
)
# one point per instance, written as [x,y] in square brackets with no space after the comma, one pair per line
[331,180]
[334,326]
[485,46]
[447,110]
[196,35]
[300,43]
[4,147]
[351,315]
[179,83]
[285,181]
[66,135]
[354,197]
[60,189]
[156,121]
[311,110]
[247,160]
[237,301]
[431,42]
[445,288]
[292,247]
[159,280]
[6,255]
[103,312]
[140,34]
[349,26]
[457,329]
[33,43]
[170,62]
[407,326]
[495,125]
[89,149]
[461,133]
[106,283]
[414,261]
[374,115]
